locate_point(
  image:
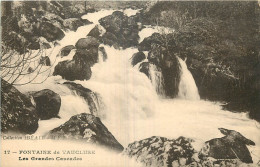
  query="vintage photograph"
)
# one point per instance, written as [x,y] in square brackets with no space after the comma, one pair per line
[130,83]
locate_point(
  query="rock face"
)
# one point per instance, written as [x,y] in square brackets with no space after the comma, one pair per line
[47,103]
[124,28]
[137,57]
[17,112]
[50,32]
[161,152]
[73,70]
[93,99]
[231,146]
[65,51]
[146,44]
[87,128]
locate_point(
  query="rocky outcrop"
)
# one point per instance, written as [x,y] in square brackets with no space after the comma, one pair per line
[231,146]
[65,51]
[124,28]
[161,152]
[73,70]
[93,99]
[86,128]
[146,44]
[137,58]
[17,112]
[47,103]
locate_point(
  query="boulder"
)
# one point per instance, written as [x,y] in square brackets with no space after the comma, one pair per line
[96,32]
[65,51]
[93,99]
[50,32]
[73,70]
[86,128]
[124,28]
[146,44]
[17,112]
[115,22]
[47,103]
[137,58]
[87,56]
[45,60]
[160,151]
[87,43]
[110,39]
[231,146]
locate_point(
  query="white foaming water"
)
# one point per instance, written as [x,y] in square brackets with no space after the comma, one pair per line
[134,111]
[149,30]
[187,87]
[131,12]
[94,17]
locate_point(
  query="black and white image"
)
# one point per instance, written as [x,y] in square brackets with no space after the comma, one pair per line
[130,83]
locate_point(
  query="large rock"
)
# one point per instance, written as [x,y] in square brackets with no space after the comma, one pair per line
[50,32]
[73,70]
[87,128]
[47,103]
[137,58]
[93,99]
[17,112]
[161,152]
[231,146]
[124,28]
[96,32]
[87,43]
[146,44]
[65,51]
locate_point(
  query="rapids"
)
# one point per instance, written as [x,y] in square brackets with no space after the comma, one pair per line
[133,109]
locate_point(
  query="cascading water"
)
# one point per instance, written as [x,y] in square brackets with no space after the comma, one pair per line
[187,87]
[156,77]
[133,111]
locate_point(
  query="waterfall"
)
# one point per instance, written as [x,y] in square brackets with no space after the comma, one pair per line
[187,87]
[156,78]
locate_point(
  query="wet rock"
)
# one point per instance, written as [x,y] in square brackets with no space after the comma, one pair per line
[160,151]
[144,68]
[124,28]
[17,112]
[137,58]
[47,103]
[50,32]
[45,60]
[87,43]
[86,128]
[73,70]
[110,39]
[146,44]
[96,32]
[87,56]
[65,51]
[92,98]
[102,53]
[231,146]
